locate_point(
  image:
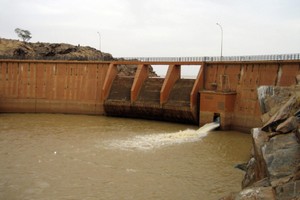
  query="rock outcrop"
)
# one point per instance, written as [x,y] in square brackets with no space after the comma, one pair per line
[273,171]
[15,49]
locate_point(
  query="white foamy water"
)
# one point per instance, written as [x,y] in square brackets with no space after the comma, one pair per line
[151,141]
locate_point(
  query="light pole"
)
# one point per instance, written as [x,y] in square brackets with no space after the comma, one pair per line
[99,40]
[221,39]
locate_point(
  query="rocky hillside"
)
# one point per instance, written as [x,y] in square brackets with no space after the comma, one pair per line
[15,49]
[49,51]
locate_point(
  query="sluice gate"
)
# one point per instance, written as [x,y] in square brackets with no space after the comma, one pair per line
[167,99]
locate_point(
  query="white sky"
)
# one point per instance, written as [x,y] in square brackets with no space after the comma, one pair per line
[159,27]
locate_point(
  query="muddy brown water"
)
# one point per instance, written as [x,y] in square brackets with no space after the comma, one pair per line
[56,156]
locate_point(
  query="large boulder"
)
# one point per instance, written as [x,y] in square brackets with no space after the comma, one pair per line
[288,125]
[282,155]
[288,191]
[282,114]
[262,193]
[256,167]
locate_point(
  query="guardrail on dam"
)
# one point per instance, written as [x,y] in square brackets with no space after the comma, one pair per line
[224,89]
[274,57]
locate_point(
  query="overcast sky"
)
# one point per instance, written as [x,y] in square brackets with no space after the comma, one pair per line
[159,27]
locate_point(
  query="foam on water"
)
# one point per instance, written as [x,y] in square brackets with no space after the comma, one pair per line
[151,141]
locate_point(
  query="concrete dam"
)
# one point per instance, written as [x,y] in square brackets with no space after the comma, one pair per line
[226,90]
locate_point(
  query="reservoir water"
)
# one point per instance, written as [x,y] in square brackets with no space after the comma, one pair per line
[56,156]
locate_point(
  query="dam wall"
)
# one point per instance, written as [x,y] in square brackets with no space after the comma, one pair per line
[52,86]
[230,90]
[224,91]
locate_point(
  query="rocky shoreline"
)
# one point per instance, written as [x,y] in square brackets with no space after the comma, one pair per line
[273,171]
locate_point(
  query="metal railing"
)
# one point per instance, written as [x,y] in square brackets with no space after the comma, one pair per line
[274,57]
